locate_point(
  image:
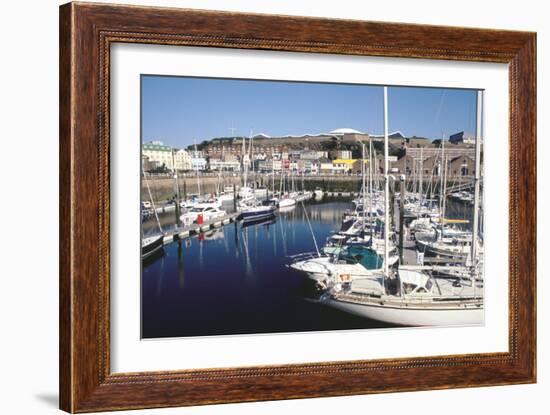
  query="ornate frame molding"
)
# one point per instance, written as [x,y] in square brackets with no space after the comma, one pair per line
[86,34]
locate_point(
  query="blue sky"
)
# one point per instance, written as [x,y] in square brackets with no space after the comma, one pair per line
[182,110]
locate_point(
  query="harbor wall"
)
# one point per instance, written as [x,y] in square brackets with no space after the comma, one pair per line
[163,187]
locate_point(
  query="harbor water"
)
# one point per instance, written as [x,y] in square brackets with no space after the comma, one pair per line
[235,279]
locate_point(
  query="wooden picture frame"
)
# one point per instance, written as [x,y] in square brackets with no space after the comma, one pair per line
[86,33]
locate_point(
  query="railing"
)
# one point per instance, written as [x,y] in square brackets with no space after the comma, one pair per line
[303,256]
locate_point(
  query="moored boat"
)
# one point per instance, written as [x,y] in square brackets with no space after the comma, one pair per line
[150,245]
[256,211]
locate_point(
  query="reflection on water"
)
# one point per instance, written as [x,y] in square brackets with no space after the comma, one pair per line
[234,280]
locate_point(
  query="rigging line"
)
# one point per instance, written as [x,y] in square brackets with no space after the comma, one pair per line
[438,113]
[311,229]
[151,198]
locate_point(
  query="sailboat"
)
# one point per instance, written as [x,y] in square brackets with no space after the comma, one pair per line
[285,201]
[446,242]
[245,192]
[411,297]
[249,208]
[453,247]
[303,194]
[226,195]
[349,254]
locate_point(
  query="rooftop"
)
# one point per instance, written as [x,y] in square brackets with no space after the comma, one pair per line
[341,131]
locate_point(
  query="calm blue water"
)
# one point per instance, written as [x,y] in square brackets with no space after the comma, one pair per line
[235,280]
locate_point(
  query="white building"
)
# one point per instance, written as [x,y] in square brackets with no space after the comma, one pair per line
[343,154]
[227,165]
[182,160]
[277,165]
[158,153]
[162,155]
[198,163]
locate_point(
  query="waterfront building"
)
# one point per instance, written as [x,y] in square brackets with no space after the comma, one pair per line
[264,166]
[461,166]
[410,165]
[182,160]
[451,151]
[313,154]
[405,165]
[325,165]
[230,157]
[462,137]
[456,166]
[198,163]
[378,163]
[158,153]
[432,165]
[342,166]
[277,164]
[356,166]
[344,154]
[148,164]
[224,165]
[308,166]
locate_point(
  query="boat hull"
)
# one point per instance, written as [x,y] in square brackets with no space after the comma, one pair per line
[412,316]
[257,214]
[152,247]
[450,253]
[287,203]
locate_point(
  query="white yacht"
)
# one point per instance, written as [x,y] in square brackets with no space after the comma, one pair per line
[418,300]
[202,212]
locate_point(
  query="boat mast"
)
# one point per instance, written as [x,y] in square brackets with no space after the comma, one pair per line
[244,162]
[370,187]
[250,152]
[177,188]
[363,189]
[198,178]
[477,176]
[445,164]
[386,187]
[441,167]
[421,178]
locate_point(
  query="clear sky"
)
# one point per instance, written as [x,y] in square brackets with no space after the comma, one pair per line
[182,110]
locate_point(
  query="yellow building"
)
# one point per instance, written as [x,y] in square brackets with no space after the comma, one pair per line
[343,165]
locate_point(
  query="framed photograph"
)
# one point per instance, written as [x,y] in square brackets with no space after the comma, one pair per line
[259,207]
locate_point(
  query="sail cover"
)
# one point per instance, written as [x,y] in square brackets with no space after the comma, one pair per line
[415,278]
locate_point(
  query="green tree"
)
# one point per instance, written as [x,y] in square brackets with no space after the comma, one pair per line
[328,145]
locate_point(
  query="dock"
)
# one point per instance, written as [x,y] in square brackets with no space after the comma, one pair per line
[341,194]
[184,232]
